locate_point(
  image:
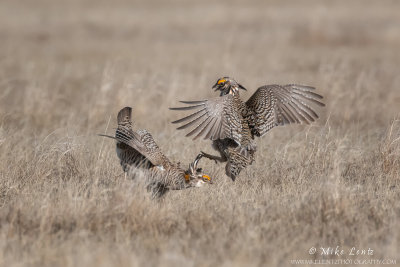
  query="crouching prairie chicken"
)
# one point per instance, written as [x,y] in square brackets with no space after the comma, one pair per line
[137,150]
[232,124]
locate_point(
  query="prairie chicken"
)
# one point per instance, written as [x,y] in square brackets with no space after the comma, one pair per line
[232,123]
[137,150]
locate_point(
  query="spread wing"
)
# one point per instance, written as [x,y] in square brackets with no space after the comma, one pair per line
[140,144]
[143,142]
[273,105]
[216,118]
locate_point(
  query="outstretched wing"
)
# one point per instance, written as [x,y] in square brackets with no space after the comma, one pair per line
[216,118]
[273,105]
[143,142]
[128,155]
[140,144]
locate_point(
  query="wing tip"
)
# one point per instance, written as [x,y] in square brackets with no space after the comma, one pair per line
[105,135]
[174,108]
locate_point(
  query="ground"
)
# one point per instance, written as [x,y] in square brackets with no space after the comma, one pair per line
[67,67]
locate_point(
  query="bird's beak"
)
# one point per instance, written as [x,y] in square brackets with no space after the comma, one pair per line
[241,87]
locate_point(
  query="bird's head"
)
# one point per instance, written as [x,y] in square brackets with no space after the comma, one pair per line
[194,176]
[227,86]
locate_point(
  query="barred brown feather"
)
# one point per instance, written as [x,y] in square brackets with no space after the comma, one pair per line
[273,105]
[218,118]
[138,150]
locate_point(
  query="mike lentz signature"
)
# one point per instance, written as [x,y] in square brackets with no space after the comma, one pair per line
[343,256]
[338,251]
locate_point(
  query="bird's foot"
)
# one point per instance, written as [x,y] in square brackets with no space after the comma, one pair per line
[211,157]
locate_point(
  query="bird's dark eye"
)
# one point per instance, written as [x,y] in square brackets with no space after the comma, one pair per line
[199,169]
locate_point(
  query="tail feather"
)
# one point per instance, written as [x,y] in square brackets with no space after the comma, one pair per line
[124,117]
[230,171]
[139,141]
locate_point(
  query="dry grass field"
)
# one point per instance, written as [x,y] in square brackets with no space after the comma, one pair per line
[67,67]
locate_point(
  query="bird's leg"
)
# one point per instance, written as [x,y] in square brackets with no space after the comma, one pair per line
[214,158]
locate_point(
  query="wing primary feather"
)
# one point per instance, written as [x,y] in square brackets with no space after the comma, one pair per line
[286,120]
[123,138]
[210,128]
[219,132]
[313,100]
[300,109]
[215,129]
[128,137]
[308,94]
[187,108]
[129,134]
[287,116]
[199,127]
[204,128]
[300,87]
[191,122]
[131,142]
[298,113]
[190,116]
[281,92]
[193,102]
[109,136]
[292,117]
[318,96]
[306,108]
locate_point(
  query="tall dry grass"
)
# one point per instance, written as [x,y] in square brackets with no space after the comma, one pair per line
[67,67]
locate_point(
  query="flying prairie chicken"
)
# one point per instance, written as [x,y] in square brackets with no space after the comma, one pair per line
[232,123]
[137,150]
